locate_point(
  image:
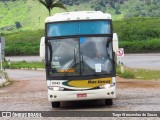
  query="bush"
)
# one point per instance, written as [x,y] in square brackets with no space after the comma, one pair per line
[137,29]
[149,46]
[23,43]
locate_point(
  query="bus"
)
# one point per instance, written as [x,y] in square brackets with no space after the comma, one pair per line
[79,57]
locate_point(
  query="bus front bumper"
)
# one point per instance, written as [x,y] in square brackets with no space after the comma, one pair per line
[58,96]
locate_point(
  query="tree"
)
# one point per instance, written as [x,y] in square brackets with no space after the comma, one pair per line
[50,4]
[117,8]
[18,24]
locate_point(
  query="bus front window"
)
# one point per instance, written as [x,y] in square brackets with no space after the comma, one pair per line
[96,55]
[65,56]
[81,56]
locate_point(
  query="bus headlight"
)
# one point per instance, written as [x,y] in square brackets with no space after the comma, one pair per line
[55,88]
[106,86]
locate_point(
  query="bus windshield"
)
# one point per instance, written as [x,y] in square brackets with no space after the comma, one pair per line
[80,56]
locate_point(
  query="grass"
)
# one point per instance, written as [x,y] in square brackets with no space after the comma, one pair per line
[127,73]
[142,74]
[147,74]
[23,65]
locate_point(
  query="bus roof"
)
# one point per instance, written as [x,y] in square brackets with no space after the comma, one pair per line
[78,15]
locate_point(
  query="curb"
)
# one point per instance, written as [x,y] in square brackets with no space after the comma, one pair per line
[2,82]
[4,79]
[5,84]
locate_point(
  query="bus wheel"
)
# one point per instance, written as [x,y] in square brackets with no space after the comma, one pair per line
[55,104]
[108,101]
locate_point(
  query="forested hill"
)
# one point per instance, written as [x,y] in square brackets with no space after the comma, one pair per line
[30,14]
[131,8]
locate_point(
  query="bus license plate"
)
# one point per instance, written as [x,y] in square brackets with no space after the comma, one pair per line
[81,95]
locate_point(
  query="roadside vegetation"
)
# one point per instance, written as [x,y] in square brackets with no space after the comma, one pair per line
[23,43]
[23,65]
[138,35]
[141,74]
[148,46]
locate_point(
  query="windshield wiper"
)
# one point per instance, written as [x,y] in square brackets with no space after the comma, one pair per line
[48,63]
[75,60]
[50,49]
[68,70]
[108,55]
[65,73]
[82,61]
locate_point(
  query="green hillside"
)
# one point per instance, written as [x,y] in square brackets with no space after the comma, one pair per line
[29,15]
[18,15]
[137,23]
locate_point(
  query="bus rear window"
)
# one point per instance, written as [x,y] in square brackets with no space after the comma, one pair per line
[78,28]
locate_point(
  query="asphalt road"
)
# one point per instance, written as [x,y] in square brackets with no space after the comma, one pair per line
[145,61]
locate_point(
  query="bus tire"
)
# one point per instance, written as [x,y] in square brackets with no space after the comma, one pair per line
[55,104]
[108,102]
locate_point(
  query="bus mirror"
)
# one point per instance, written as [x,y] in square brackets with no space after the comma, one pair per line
[115,58]
[115,42]
[42,48]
